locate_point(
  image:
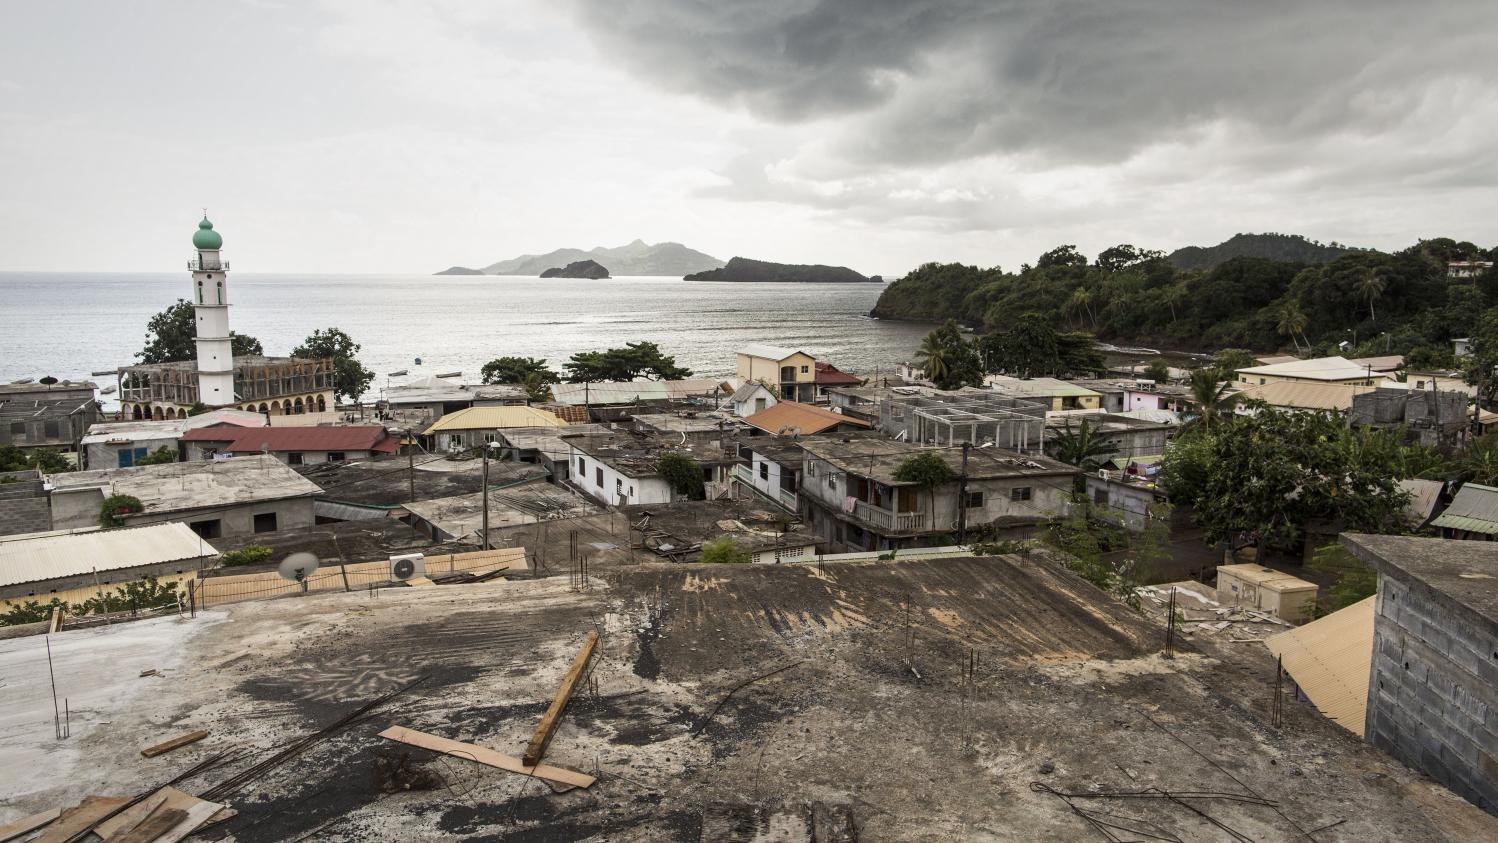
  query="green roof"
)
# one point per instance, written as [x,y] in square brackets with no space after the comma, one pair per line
[205,237]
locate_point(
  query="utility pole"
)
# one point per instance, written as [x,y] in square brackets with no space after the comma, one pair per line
[962,497]
[411,461]
[485,544]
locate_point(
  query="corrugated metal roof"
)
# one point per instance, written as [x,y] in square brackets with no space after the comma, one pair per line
[1038,387]
[1304,395]
[1474,509]
[1319,368]
[1330,659]
[57,556]
[494,418]
[806,418]
[367,437]
[1424,495]
[770,352]
[1266,577]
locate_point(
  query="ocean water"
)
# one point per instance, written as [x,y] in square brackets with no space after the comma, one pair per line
[70,324]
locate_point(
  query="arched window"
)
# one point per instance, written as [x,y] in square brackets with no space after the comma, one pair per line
[322,404]
[263,408]
[275,408]
[298,405]
[171,413]
[160,416]
[135,412]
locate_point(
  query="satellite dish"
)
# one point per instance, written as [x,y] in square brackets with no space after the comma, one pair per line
[297,567]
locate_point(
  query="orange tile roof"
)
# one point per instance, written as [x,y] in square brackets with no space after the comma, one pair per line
[805,417]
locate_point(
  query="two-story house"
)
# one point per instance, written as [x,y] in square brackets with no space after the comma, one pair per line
[791,373]
[849,494]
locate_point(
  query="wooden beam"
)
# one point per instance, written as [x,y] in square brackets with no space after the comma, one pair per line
[553,716]
[484,755]
[25,825]
[80,818]
[175,743]
[155,825]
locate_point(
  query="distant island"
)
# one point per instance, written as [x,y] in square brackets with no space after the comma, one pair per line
[1290,248]
[746,270]
[636,258]
[578,269]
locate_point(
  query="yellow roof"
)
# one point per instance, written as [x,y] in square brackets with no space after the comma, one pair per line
[1303,395]
[1263,577]
[1330,659]
[493,418]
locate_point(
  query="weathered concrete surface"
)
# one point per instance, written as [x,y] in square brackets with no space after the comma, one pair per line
[874,719]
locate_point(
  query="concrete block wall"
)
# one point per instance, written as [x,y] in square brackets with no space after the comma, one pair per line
[23,504]
[1433,692]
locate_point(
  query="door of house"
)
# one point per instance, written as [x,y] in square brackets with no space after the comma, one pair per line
[907,499]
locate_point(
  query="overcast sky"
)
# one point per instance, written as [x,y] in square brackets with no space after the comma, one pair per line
[365,136]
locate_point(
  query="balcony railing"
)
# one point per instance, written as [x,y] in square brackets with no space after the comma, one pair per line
[897,522]
[200,265]
[788,499]
[743,474]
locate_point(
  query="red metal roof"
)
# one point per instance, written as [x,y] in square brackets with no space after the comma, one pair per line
[368,437]
[806,418]
[830,375]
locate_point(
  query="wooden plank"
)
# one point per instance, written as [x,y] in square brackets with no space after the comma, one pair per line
[121,824]
[25,825]
[56,620]
[80,818]
[196,816]
[553,716]
[175,743]
[484,755]
[419,581]
[155,825]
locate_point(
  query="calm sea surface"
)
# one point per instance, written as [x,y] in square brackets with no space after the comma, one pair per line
[70,324]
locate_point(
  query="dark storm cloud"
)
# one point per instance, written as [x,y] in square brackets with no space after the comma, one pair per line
[918,82]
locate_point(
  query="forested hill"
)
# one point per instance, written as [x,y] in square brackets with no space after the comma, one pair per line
[1291,248]
[1138,297]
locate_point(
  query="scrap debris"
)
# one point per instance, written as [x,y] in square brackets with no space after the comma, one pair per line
[396,773]
[484,755]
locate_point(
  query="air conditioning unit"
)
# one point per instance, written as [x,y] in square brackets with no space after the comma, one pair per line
[407,565]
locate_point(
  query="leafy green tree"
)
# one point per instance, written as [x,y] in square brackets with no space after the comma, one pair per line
[160,456]
[928,471]
[198,408]
[949,360]
[45,460]
[170,337]
[1267,475]
[682,473]
[350,377]
[1370,287]
[1230,360]
[1083,447]
[1061,256]
[517,370]
[1482,362]
[115,507]
[1479,463]
[1355,579]
[724,551]
[1292,322]
[250,554]
[635,359]
[1157,371]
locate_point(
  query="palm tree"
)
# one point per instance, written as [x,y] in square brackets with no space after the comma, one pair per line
[1081,299]
[933,358]
[1082,448]
[1292,321]
[1370,287]
[1209,392]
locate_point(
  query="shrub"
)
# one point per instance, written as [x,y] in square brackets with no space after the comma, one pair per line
[724,550]
[250,554]
[682,474]
[925,469]
[160,456]
[31,612]
[116,507]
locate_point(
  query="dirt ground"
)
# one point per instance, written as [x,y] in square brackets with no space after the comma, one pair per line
[955,699]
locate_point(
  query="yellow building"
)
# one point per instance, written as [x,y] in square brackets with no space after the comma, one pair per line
[1055,394]
[1317,370]
[790,373]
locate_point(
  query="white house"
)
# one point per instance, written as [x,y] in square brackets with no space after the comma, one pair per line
[619,470]
[751,398]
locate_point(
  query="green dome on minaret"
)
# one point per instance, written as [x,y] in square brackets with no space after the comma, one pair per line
[205,237]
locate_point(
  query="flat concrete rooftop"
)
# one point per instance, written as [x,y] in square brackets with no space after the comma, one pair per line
[878,459]
[193,485]
[1466,572]
[873,710]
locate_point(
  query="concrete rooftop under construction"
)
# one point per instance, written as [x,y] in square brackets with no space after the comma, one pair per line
[873,714]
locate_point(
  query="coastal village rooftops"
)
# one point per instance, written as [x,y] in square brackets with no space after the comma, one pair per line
[546,439]
[1463,571]
[631,392]
[805,418]
[462,516]
[193,485]
[1037,387]
[49,556]
[746,392]
[830,375]
[1474,510]
[1319,369]
[696,423]
[879,459]
[751,525]
[127,431]
[636,454]
[30,389]
[381,483]
[494,418]
[770,352]
[244,440]
[1304,395]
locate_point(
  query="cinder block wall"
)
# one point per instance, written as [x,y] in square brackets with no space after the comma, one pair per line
[1433,693]
[23,504]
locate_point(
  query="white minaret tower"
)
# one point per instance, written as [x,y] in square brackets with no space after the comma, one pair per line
[210,299]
